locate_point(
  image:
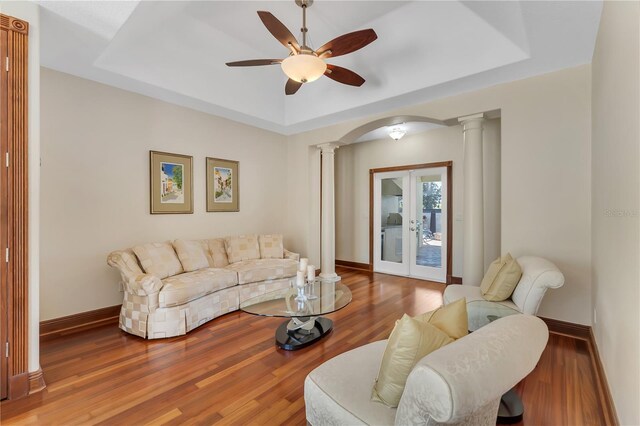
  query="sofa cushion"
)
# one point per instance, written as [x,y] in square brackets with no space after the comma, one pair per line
[158,259]
[451,318]
[492,273]
[193,254]
[505,282]
[243,247]
[410,341]
[218,253]
[251,271]
[478,308]
[183,288]
[271,246]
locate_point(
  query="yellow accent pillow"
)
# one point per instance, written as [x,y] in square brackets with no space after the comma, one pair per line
[505,282]
[411,340]
[492,273]
[452,318]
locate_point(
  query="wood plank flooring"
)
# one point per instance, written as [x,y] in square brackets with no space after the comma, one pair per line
[229,372]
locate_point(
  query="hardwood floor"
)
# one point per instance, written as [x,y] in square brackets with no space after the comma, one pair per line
[229,372]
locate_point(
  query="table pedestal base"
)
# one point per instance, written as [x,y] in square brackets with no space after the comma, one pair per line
[301,332]
[511,409]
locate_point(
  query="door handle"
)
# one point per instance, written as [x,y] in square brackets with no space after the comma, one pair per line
[412,229]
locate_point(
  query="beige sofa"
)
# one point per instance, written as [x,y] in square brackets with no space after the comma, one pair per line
[171,288]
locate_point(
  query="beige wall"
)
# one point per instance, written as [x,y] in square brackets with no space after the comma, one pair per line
[354,161]
[95,183]
[545,175]
[616,203]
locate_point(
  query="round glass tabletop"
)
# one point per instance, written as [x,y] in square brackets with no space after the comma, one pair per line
[321,297]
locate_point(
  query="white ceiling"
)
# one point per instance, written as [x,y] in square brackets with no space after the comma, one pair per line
[176,51]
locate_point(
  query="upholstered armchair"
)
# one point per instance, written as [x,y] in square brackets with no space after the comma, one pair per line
[458,384]
[538,275]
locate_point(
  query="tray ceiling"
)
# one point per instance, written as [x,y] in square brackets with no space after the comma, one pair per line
[176,51]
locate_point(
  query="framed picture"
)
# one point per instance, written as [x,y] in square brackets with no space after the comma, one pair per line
[171,183]
[223,187]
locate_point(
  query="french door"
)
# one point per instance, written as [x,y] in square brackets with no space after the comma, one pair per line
[410,223]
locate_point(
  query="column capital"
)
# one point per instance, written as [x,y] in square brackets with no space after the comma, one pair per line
[329,147]
[473,121]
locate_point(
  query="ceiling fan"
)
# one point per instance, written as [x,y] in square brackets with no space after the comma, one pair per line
[304,65]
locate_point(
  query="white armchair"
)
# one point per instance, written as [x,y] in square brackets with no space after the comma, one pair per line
[458,384]
[538,275]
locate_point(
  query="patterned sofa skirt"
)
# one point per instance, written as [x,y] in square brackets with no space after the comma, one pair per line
[140,315]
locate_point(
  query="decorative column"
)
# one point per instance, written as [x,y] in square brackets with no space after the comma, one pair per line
[328,241]
[473,214]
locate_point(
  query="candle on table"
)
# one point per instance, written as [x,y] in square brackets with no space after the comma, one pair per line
[303,264]
[311,273]
[300,279]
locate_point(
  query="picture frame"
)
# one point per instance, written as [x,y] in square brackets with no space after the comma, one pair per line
[223,185]
[171,183]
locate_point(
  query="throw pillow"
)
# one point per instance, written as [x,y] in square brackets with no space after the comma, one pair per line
[271,246]
[243,247]
[410,341]
[451,318]
[158,259]
[193,254]
[218,253]
[492,273]
[505,282]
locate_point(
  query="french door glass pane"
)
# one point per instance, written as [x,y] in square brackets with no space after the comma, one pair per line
[391,219]
[429,224]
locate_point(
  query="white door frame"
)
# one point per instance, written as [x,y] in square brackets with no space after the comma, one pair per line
[375,225]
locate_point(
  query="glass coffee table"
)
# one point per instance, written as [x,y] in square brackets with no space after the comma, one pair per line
[304,307]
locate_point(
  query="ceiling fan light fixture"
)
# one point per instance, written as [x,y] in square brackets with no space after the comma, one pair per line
[304,67]
[396,133]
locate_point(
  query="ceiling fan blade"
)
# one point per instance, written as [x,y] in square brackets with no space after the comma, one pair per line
[254,62]
[347,43]
[291,87]
[343,75]
[279,31]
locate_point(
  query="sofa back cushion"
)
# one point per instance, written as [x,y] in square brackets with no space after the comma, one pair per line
[242,247]
[193,254]
[158,259]
[218,253]
[271,246]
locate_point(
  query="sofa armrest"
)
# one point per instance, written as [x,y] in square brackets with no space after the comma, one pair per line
[144,285]
[291,255]
[134,279]
[538,275]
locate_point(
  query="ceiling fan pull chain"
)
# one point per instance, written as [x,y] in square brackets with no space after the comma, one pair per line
[304,24]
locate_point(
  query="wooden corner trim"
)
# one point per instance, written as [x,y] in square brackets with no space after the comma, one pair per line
[17,191]
[578,331]
[585,332]
[18,385]
[456,280]
[604,393]
[14,24]
[58,327]
[355,265]
[36,381]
